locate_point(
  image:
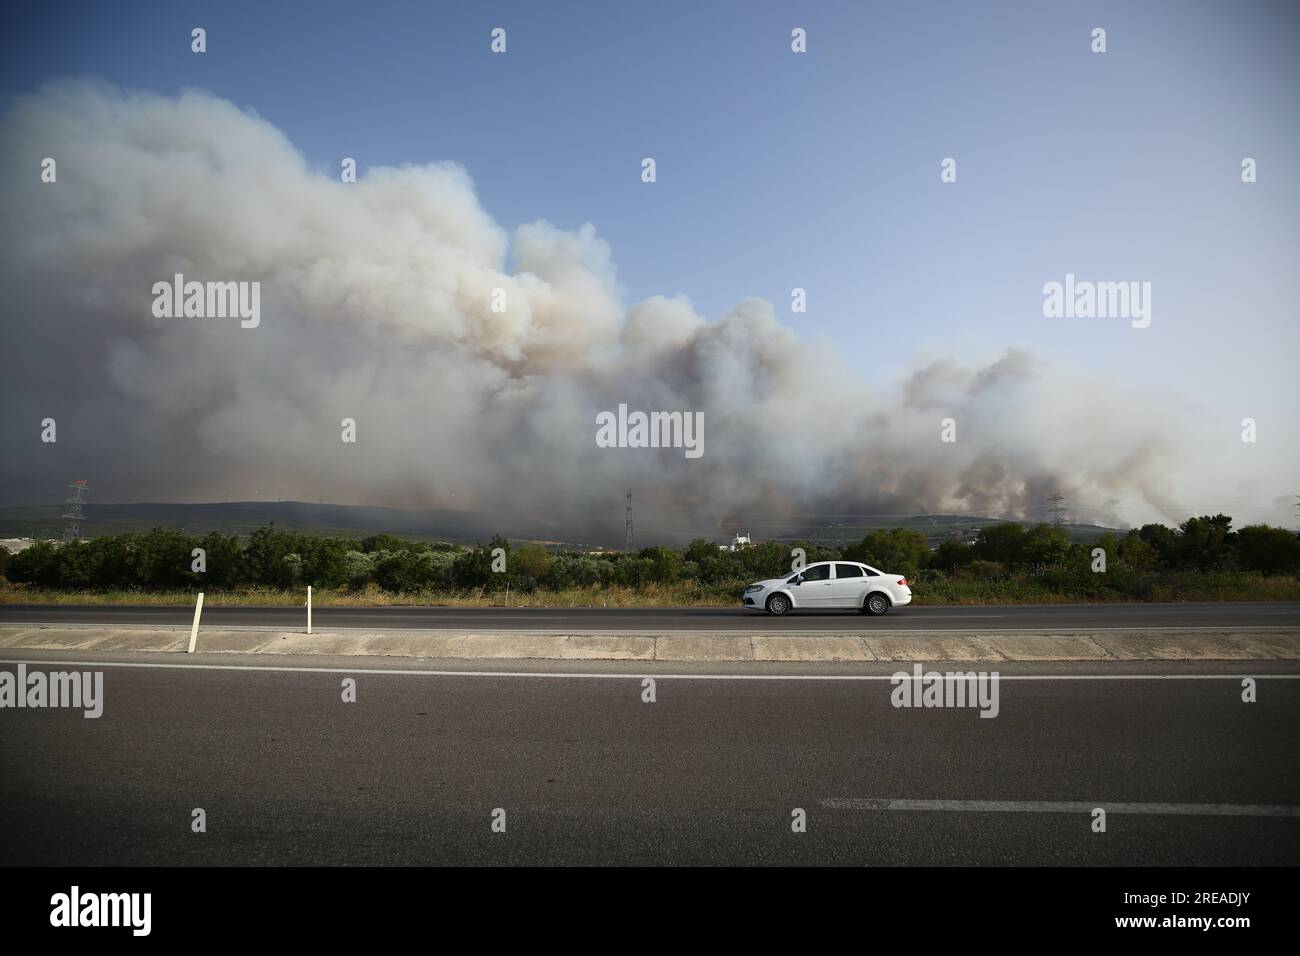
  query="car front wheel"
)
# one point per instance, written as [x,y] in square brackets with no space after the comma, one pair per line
[876,604]
[778,604]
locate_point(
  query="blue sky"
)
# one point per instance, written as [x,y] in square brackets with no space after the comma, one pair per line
[821,170]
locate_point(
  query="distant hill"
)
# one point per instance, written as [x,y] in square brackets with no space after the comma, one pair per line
[460,527]
[935,527]
[242,517]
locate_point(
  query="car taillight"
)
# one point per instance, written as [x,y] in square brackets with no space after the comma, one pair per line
[903,581]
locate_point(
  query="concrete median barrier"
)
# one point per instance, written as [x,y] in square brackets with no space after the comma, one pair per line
[913,646]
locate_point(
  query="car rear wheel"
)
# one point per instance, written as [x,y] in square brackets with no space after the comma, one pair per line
[876,604]
[778,604]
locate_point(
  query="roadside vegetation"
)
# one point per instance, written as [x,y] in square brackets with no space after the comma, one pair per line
[1203,559]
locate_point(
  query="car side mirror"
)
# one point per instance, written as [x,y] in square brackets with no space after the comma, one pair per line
[798,579]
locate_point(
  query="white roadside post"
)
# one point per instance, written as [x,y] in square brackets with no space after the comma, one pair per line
[194,629]
[309,609]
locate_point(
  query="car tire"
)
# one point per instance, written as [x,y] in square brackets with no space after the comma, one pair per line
[778,604]
[876,604]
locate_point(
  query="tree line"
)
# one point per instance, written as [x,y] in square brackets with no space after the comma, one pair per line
[271,557]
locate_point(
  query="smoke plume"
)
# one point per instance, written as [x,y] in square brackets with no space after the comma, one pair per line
[376,302]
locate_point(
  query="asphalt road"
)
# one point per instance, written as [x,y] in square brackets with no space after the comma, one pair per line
[614,620]
[587,772]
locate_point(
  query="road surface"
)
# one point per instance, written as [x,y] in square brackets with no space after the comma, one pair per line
[710,772]
[996,619]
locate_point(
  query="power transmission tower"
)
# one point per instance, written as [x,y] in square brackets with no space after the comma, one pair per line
[72,519]
[1057,511]
[627,526]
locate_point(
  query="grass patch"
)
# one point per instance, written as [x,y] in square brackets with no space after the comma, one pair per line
[1041,588]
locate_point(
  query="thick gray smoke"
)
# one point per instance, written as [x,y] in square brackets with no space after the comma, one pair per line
[376,305]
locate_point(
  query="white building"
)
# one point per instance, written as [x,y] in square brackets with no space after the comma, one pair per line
[738,542]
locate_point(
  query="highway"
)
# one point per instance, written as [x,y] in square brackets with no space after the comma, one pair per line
[967,619]
[586,771]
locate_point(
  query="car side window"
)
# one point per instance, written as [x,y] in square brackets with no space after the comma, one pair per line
[817,572]
[873,573]
[848,571]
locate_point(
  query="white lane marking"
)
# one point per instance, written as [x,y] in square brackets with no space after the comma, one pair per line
[636,674]
[1081,630]
[1066,806]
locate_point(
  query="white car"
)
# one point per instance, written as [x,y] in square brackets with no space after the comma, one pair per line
[830,584]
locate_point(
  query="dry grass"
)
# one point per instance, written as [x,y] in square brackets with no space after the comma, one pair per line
[1184,587]
[654,596]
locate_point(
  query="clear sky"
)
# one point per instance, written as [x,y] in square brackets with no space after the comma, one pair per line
[820,170]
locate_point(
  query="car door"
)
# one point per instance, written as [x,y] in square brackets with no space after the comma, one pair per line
[849,586]
[815,588]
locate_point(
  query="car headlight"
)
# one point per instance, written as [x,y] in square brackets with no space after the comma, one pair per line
[753,587]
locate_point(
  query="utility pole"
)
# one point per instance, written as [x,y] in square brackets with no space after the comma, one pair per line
[627,525]
[1057,511]
[72,520]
